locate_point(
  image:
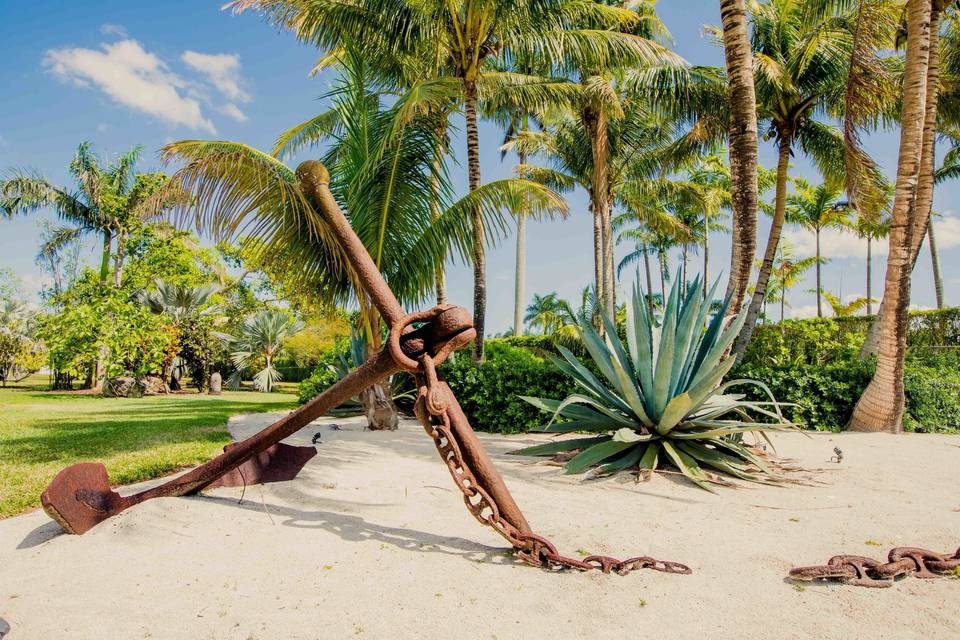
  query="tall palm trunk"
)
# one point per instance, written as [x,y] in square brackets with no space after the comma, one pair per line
[100,366]
[479,251]
[597,259]
[881,406]
[440,279]
[819,281]
[706,255]
[923,198]
[743,147]
[869,275]
[105,257]
[596,125]
[521,270]
[935,261]
[683,266]
[662,258]
[119,260]
[773,241]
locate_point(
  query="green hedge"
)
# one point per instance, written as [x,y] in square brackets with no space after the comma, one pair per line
[814,364]
[489,392]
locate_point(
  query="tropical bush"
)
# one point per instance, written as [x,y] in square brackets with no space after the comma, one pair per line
[661,398]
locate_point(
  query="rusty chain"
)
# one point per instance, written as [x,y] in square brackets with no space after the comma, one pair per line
[862,571]
[433,410]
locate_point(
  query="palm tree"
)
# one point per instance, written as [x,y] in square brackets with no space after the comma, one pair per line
[463,38]
[881,406]
[787,272]
[815,209]
[871,230]
[845,309]
[546,313]
[743,136]
[800,75]
[92,208]
[259,340]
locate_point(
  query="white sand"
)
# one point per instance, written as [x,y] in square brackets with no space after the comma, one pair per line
[372,540]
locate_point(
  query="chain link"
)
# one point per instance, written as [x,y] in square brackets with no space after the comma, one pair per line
[869,572]
[431,410]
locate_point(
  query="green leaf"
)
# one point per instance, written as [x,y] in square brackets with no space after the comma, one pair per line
[559,446]
[687,466]
[597,453]
[675,411]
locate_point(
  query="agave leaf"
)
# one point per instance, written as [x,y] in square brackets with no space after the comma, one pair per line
[572,411]
[650,457]
[572,426]
[627,460]
[722,431]
[685,328]
[642,333]
[668,343]
[713,357]
[687,466]
[577,398]
[597,453]
[674,412]
[722,463]
[585,378]
[559,446]
[629,435]
[598,351]
[698,340]
[627,383]
[742,451]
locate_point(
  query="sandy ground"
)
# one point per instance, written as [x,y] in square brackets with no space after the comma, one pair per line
[372,540]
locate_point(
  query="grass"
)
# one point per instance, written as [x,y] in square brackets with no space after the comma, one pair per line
[42,431]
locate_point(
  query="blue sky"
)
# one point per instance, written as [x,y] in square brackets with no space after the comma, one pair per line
[121,73]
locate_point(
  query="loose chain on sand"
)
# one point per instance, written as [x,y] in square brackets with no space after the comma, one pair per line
[868,572]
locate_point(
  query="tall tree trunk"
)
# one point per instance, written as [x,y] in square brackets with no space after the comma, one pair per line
[743,153]
[100,367]
[597,265]
[595,123]
[706,255]
[922,201]
[662,258]
[783,303]
[935,262]
[819,281]
[118,260]
[105,257]
[683,268]
[773,241]
[379,408]
[869,275]
[881,406]
[646,267]
[479,250]
[521,266]
[440,278]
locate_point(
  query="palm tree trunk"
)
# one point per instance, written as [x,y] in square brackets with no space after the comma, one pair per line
[439,276]
[923,200]
[105,257]
[783,303]
[683,267]
[743,155]
[662,257]
[869,276]
[935,260]
[706,255]
[773,241]
[819,281]
[521,267]
[595,123]
[881,406]
[646,267]
[119,260]
[479,251]
[597,261]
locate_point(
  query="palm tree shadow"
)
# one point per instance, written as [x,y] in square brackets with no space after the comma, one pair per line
[356,529]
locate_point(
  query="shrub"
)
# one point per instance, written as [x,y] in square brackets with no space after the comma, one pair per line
[933,399]
[490,393]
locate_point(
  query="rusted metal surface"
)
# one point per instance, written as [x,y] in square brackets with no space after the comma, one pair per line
[80,496]
[868,572]
[278,463]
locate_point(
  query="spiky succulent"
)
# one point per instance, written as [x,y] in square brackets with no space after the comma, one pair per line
[660,399]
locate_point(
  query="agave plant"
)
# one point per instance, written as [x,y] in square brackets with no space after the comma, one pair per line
[660,399]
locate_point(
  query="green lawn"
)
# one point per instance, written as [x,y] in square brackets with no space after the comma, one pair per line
[41,432]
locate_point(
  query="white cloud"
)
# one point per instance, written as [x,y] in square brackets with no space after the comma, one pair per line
[802,311]
[834,244]
[133,77]
[113,30]
[103,127]
[947,232]
[233,111]
[222,70]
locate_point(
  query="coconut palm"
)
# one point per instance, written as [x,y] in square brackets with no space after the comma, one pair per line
[787,273]
[259,341]
[815,209]
[881,406]
[845,309]
[800,78]
[547,313]
[463,38]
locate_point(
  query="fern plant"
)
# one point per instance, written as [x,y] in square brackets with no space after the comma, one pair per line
[659,399]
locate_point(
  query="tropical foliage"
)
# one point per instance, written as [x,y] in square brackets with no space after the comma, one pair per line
[257,345]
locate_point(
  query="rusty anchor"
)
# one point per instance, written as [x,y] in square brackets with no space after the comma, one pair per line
[80,496]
